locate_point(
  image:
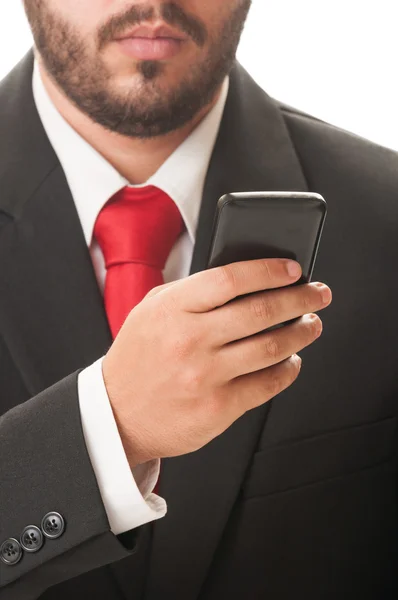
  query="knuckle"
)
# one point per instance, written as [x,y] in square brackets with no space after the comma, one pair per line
[170,299]
[265,265]
[272,348]
[165,307]
[193,379]
[182,346]
[213,407]
[226,278]
[153,291]
[160,310]
[275,384]
[263,309]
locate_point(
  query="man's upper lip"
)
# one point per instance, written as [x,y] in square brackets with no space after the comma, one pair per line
[148,31]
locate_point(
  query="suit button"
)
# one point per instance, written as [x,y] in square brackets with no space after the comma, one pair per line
[53,525]
[31,538]
[10,552]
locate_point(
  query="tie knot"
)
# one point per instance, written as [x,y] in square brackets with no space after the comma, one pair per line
[138,225]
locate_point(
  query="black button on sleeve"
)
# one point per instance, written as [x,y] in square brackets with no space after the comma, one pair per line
[10,552]
[53,525]
[31,538]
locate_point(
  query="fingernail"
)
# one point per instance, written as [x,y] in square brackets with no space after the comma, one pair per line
[326,295]
[293,268]
[298,359]
[319,325]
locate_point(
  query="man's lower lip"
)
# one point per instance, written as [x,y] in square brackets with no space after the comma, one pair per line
[150,48]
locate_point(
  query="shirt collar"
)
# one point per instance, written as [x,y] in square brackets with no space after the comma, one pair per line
[93,180]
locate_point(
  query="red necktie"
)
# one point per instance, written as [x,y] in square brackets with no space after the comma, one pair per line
[136,231]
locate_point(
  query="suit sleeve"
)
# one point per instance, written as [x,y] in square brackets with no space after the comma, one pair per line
[45,469]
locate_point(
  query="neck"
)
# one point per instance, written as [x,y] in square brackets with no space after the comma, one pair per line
[135,159]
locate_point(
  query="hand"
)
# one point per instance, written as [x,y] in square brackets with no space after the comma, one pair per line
[187,362]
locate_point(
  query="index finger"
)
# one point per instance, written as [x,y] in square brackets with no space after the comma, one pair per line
[210,289]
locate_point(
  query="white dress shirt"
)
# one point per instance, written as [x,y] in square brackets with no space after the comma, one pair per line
[126,494]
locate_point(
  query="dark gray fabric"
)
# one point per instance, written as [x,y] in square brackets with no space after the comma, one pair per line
[299,497]
[45,466]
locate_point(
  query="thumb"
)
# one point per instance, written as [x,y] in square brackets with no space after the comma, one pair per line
[160,288]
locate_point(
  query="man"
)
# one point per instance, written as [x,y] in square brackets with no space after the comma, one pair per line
[119,349]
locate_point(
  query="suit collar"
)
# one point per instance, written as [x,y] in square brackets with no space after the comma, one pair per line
[52,316]
[26,156]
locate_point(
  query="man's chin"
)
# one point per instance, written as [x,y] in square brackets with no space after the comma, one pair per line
[151,69]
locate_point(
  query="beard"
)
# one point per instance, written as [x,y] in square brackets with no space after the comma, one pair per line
[146,110]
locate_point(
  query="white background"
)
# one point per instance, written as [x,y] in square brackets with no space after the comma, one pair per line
[336,59]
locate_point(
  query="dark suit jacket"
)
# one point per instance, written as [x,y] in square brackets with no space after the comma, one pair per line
[298,499]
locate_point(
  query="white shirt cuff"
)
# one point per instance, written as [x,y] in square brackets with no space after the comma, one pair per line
[126,493]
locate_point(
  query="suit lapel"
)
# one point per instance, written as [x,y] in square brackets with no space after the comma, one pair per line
[253,152]
[51,313]
[51,310]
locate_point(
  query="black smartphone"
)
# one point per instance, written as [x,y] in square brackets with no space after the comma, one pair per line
[256,225]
